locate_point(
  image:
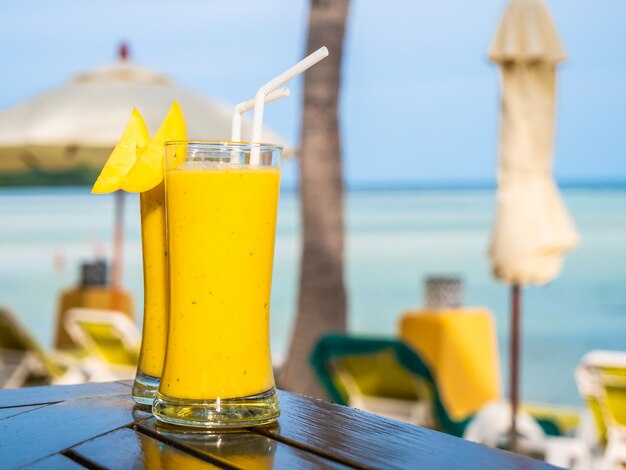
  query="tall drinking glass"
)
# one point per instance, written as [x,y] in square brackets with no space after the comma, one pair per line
[221,225]
[153,242]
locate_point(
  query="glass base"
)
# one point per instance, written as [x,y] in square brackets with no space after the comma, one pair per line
[145,389]
[254,410]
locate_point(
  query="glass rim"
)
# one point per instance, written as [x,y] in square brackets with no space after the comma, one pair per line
[209,144]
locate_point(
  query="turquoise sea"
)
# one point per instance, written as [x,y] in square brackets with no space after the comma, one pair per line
[395,238]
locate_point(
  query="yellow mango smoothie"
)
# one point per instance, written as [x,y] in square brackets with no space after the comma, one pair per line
[221,222]
[156,292]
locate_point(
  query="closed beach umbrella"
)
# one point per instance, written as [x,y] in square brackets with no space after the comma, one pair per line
[78,124]
[532,229]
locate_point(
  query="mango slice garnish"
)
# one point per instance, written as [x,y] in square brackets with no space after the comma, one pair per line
[148,171]
[124,155]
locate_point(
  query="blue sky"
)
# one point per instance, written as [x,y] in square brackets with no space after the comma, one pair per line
[419,98]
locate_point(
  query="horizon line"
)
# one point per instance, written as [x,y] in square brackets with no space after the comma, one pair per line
[491,184]
[451,185]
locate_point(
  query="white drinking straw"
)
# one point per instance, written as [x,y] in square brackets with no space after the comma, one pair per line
[269,87]
[244,106]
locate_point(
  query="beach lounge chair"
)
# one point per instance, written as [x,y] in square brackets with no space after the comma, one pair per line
[110,340]
[369,377]
[377,374]
[601,380]
[88,297]
[23,361]
[387,377]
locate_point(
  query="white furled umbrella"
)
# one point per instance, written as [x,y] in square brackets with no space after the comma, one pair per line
[532,229]
[78,124]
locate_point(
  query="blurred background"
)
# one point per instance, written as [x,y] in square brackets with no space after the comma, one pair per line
[419,121]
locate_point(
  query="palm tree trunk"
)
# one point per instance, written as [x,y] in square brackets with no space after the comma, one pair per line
[322,297]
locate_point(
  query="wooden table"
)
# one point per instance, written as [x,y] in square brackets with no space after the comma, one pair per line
[97,426]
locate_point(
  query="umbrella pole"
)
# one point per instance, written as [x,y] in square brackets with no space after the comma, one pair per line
[118,247]
[514,356]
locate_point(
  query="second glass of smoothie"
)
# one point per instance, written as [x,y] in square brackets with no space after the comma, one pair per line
[156,291]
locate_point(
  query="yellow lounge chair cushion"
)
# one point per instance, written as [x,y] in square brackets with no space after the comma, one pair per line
[460,348]
[109,344]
